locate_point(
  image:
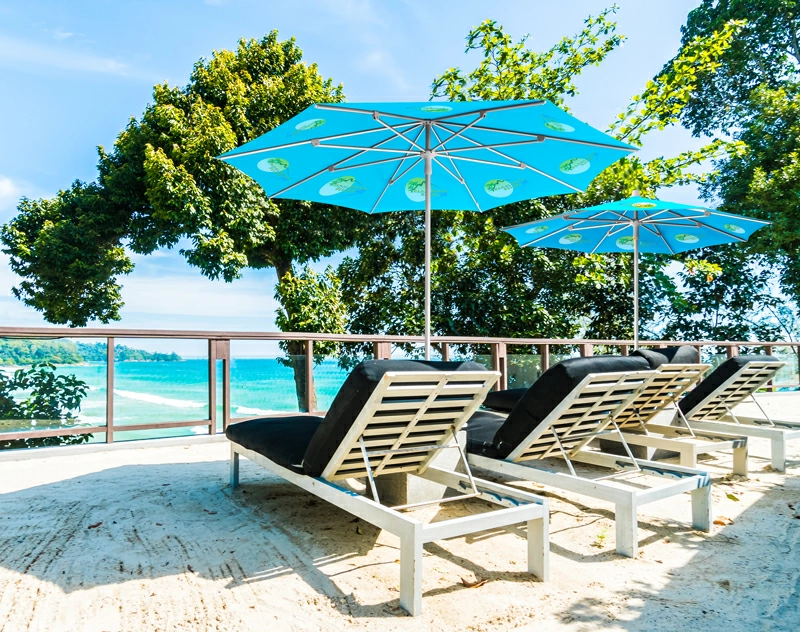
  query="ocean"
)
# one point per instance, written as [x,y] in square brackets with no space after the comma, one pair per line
[148,392]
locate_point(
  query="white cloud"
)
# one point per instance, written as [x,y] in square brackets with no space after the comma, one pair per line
[60,34]
[19,53]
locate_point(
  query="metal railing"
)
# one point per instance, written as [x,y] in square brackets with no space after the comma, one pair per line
[219,348]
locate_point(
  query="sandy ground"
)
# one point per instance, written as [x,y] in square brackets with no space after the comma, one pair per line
[153,539]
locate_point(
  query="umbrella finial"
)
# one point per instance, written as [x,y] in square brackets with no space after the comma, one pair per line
[636,193]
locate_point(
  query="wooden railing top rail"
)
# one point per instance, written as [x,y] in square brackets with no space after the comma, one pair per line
[106,332]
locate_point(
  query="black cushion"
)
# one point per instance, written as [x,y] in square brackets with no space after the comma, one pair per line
[717,378]
[351,398]
[504,400]
[681,354]
[551,389]
[481,429]
[280,439]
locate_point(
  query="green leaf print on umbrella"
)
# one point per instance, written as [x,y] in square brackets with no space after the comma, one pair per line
[502,188]
[572,238]
[734,228]
[536,230]
[686,238]
[551,123]
[625,243]
[340,185]
[274,165]
[304,126]
[643,205]
[436,108]
[574,166]
[415,190]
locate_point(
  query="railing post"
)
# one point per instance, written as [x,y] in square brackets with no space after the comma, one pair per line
[624,349]
[771,383]
[212,387]
[109,390]
[586,349]
[500,363]
[224,354]
[544,353]
[445,352]
[733,351]
[311,400]
[381,350]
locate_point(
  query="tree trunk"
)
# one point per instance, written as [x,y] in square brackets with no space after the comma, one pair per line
[296,350]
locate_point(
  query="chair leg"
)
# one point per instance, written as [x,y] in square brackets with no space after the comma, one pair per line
[234,468]
[627,528]
[702,508]
[688,456]
[539,548]
[779,453]
[740,461]
[411,573]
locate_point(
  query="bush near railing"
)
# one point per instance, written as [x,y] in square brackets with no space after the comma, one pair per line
[34,394]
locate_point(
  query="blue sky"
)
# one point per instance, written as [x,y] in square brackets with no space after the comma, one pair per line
[73,73]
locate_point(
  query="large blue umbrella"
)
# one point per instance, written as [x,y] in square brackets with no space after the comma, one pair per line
[637,224]
[378,157]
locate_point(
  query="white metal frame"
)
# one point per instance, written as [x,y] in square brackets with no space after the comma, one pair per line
[715,412]
[408,418]
[664,388]
[585,414]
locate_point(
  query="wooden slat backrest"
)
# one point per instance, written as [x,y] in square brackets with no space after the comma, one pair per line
[409,409]
[669,382]
[735,390]
[588,409]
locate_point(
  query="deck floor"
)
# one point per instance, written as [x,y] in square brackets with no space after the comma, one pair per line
[153,539]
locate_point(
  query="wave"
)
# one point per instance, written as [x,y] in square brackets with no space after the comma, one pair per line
[244,410]
[157,399]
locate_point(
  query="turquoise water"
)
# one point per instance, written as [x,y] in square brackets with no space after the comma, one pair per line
[148,392]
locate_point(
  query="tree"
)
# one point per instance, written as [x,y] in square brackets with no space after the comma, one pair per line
[765,52]
[161,184]
[38,394]
[482,282]
[309,302]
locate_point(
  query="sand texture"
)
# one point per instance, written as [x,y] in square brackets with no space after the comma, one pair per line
[153,539]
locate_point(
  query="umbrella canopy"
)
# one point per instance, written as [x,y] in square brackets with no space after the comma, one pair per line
[474,156]
[637,224]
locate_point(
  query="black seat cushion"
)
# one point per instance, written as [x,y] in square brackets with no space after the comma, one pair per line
[280,439]
[551,389]
[504,400]
[351,398]
[681,354]
[481,429]
[717,378]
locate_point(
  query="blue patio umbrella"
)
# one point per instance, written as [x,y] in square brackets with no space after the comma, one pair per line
[637,224]
[473,156]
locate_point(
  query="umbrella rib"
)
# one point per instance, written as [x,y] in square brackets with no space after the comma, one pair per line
[739,217]
[663,238]
[495,145]
[458,171]
[395,177]
[370,164]
[499,108]
[600,242]
[398,134]
[724,232]
[351,110]
[516,165]
[454,176]
[454,135]
[407,152]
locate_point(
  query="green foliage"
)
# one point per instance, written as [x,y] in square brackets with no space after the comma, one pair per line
[22,352]
[765,52]
[482,282]
[161,184]
[38,394]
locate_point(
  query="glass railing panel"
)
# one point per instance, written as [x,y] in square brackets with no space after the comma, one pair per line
[160,381]
[523,369]
[51,384]
[787,377]
[264,380]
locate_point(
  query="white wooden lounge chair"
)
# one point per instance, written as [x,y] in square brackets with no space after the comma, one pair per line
[389,419]
[709,407]
[663,390]
[546,423]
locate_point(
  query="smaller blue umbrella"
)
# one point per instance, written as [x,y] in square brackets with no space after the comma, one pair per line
[636,225]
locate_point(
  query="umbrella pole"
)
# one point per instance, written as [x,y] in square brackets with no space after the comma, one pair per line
[635,285]
[428,170]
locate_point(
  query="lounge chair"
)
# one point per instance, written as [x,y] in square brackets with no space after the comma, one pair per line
[709,407]
[393,416]
[570,405]
[678,371]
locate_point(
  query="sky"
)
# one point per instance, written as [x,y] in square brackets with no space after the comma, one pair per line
[73,74]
